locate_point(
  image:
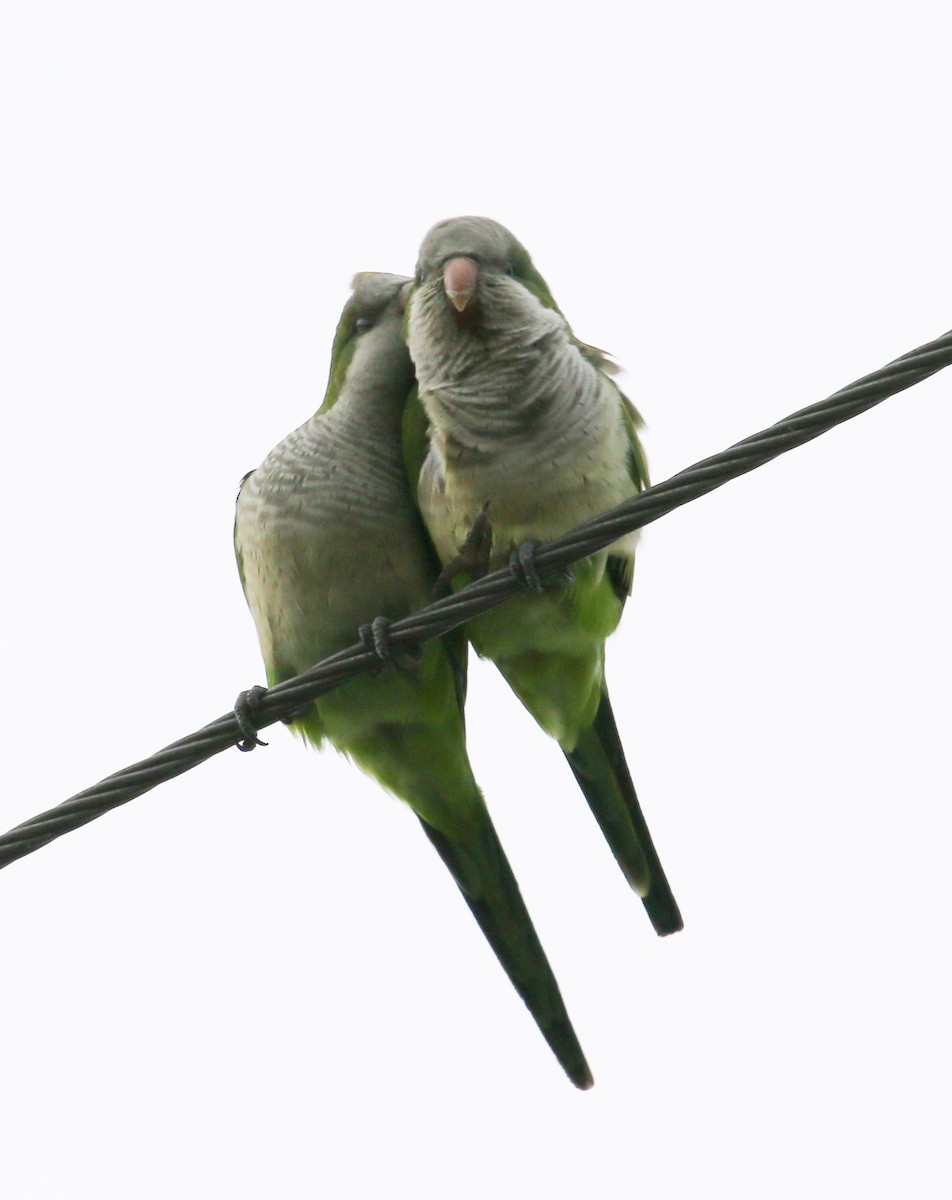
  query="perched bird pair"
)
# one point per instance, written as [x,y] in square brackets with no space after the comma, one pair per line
[458,396]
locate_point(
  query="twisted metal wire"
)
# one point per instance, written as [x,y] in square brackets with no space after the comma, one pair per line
[440,617]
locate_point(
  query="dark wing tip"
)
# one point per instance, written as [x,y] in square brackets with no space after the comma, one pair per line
[663,912]
[581,1076]
[564,1044]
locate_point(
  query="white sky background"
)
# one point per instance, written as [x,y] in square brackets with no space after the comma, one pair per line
[259,979]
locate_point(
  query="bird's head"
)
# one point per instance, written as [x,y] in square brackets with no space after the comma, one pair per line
[468,265]
[369,340]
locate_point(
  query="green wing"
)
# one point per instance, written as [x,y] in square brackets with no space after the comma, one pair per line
[342,351]
[416,438]
[234,539]
[637,462]
[532,281]
[416,443]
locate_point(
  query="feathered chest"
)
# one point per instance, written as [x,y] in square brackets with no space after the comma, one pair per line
[329,474]
[547,456]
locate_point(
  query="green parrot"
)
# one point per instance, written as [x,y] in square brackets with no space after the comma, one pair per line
[326,535]
[527,427]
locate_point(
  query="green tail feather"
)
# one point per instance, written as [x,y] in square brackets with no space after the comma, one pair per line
[598,762]
[483,875]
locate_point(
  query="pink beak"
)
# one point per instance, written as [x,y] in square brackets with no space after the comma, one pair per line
[460,276]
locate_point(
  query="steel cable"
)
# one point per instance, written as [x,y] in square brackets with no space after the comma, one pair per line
[443,615]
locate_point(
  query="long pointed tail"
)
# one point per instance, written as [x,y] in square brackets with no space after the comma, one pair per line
[598,762]
[489,887]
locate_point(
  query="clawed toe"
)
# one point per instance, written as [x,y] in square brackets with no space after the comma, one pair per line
[376,638]
[247,712]
[522,564]
[473,557]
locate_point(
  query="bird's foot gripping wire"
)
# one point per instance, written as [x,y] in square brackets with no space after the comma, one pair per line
[376,638]
[522,564]
[247,710]
[473,557]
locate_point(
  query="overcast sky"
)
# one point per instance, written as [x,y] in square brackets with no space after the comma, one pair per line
[259,980]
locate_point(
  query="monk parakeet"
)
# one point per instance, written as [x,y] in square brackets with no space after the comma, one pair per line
[327,536]
[525,419]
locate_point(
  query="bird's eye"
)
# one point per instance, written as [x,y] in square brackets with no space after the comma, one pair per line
[509,270]
[362,324]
